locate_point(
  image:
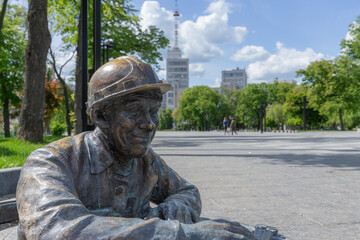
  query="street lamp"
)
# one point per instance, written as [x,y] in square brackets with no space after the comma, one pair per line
[109,44]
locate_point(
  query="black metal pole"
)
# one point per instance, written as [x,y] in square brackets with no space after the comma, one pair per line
[97,34]
[261,118]
[264,116]
[84,62]
[304,113]
[103,53]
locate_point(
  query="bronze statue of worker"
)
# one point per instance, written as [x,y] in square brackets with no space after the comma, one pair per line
[99,184]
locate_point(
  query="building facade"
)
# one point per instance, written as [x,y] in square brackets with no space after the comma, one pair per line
[233,79]
[177,74]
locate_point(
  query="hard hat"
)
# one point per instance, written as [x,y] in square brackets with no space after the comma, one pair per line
[122,76]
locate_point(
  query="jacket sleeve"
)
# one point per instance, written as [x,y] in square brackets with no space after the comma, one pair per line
[172,187]
[49,207]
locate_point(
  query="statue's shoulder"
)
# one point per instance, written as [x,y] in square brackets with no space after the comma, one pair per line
[60,148]
[69,142]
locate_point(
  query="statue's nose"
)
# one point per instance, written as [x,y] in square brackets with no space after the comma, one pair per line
[148,123]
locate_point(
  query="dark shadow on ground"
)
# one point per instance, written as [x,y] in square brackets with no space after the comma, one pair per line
[350,161]
[300,139]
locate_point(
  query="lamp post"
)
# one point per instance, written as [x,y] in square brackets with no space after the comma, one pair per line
[304,113]
[109,44]
[84,53]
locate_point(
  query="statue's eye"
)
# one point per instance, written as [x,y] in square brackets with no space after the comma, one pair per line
[134,112]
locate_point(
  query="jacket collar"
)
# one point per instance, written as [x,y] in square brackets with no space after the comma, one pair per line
[99,153]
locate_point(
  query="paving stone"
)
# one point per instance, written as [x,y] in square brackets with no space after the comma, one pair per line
[304,184]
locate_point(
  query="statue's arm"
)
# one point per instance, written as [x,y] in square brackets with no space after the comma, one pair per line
[49,207]
[176,198]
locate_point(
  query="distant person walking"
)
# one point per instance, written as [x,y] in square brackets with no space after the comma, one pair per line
[233,126]
[226,124]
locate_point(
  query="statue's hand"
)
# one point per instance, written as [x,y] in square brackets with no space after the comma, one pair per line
[174,210]
[217,229]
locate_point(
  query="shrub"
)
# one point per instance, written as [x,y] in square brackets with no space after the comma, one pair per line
[57,128]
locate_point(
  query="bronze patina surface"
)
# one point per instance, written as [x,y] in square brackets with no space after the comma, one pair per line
[99,184]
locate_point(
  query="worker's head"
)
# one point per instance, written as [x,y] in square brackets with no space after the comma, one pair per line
[124,98]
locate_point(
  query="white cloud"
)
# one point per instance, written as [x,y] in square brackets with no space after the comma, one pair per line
[285,61]
[196,69]
[151,14]
[250,53]
[217,82]
[198,39]
[161,74]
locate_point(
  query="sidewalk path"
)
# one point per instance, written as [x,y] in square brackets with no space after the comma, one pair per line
[305,184]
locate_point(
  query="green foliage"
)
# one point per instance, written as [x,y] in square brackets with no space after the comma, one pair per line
[333,86]
[60,113]
[165,119]
[294,121]
[12,49]
[119,24]
[276,115]
[13,151]
[248,104]
[351,47]
[57,128]
[202,107]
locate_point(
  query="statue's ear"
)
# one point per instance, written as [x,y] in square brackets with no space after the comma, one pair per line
[101,120]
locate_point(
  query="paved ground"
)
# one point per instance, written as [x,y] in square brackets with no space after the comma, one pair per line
[305,184]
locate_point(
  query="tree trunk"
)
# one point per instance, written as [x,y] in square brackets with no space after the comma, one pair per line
[78,82]
[32,109]
[6,113]
[2,15]
[341,120]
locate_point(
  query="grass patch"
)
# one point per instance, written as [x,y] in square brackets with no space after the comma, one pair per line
[14,152]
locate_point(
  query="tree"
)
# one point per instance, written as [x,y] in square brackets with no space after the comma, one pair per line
[276,113]
[199,106]
[119,23]
[52,97]
[58,72]
[165,119]
[2,14]
[351,46]
[249,101]
[12,47]
[32,109]
[334,86]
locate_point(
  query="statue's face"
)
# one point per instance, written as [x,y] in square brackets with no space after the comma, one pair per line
[132,125]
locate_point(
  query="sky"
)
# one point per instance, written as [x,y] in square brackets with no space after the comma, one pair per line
[269,38]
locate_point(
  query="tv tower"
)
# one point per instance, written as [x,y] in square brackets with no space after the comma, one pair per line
[176,15]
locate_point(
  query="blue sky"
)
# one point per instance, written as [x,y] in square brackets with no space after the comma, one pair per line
[269,38]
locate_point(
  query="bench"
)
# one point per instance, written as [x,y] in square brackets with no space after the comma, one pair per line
[8,181]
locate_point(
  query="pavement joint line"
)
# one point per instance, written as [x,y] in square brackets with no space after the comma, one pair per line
[218,205]
[309,218]
[8,234]
[339,224]
[325,199]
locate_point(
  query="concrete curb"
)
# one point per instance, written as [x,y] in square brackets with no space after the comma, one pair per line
[8,211]
[9,178]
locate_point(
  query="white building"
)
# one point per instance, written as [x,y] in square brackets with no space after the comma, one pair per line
[234,79]
[177,74]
